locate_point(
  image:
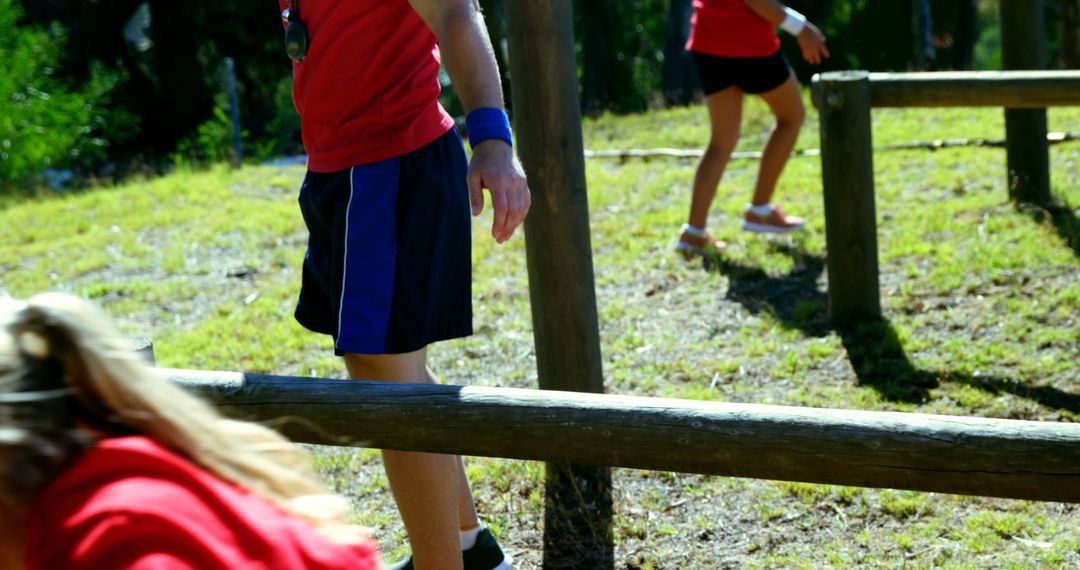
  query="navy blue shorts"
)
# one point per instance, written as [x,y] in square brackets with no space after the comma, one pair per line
[750,74]
[389,264]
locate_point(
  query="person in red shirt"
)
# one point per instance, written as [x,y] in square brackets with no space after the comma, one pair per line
[106,465]
[736,50]
[387,200]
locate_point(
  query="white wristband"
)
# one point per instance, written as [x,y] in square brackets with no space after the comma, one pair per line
[793,23]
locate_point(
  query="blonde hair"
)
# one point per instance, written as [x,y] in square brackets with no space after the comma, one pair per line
[62,360]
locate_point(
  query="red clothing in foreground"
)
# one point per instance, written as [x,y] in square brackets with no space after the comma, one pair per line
[129,504]
[730,28]
[369,87]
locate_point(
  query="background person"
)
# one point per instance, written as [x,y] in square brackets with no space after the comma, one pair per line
[105,465]
[736,50]
[386,200]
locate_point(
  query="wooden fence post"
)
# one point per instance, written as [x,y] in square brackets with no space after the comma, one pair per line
[1028,154]
[847,171]
[144,347]
[547,118]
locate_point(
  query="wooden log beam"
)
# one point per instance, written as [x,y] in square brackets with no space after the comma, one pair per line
[1012,89]
[948,454]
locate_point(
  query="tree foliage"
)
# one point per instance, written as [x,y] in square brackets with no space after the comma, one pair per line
[159,65]
[45,121]
[170,53]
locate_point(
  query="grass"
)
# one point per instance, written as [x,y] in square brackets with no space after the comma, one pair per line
[980,300]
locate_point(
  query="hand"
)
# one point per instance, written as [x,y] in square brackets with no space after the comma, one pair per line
[812,42]
[495,166]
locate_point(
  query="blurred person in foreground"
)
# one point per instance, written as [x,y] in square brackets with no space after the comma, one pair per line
[106,465]
[737,52]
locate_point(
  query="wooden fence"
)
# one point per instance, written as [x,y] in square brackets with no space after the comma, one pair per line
[948,454]
[844,100]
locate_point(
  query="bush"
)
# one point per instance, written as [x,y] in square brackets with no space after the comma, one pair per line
[212,142]
[44,123]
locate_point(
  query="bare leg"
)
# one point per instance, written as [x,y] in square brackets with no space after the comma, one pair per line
[725,114]
[786,103]
[431,490]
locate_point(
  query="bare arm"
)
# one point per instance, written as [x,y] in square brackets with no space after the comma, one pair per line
[771,10]
[466,49]
[459,28]
[811,40]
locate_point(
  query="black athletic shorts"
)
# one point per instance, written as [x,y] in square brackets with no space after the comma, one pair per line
[750,74]
[389,264]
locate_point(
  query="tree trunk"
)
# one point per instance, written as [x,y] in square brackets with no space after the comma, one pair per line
[680,79]
[176,69]
[1070,37]
[922,31]
[966,32]
[595,95]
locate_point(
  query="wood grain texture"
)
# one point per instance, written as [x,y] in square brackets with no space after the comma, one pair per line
[547,119]
[949,454]
[1012,89]
[847,173]
[1023,47]
[557,239]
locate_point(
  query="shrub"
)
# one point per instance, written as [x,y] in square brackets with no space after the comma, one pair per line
[212,142]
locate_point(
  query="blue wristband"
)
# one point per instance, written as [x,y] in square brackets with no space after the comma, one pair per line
[487,123]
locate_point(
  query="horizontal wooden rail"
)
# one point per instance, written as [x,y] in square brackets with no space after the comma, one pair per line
[1010,89]
[964,455]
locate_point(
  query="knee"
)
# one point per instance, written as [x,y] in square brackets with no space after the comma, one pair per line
[363,367]
[793,119]
[719,150]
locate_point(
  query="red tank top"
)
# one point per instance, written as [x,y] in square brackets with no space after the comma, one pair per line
[129,503]
[368,89]
[730,28]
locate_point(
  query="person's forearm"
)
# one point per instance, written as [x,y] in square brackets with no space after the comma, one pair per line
[466,52]
[771,10]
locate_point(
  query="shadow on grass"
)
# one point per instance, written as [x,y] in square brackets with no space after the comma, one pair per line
[874,348]
[1062,216]
[880,362]
[793,298]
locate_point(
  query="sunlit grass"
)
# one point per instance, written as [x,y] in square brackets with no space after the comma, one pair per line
[979,298]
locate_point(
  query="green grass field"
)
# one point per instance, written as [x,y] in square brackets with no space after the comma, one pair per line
[982,307]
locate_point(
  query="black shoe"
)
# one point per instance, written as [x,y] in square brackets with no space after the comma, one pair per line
[484,555]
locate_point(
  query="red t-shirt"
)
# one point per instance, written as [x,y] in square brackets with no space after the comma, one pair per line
[129,504]
[368,89]
[730,28]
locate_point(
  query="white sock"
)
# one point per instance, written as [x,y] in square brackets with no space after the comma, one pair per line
[468,537]
[764,210]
